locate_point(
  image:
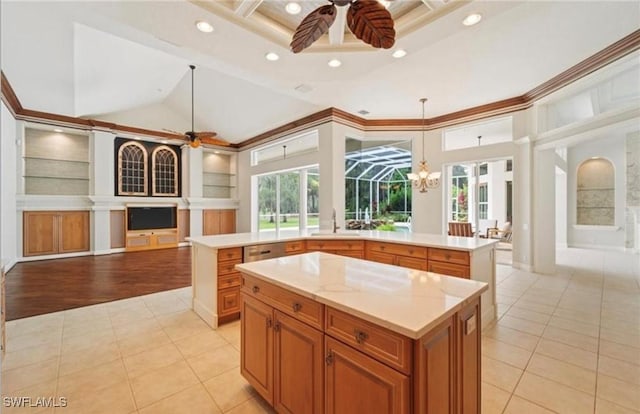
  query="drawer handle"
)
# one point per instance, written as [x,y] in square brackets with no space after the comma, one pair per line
[296,306]
[447,256]
[360,336]
[255,289]
[410,251]
[381,247]
[229,255]
[329,358]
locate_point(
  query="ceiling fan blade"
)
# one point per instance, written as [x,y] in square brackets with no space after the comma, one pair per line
[370,22]
[215,141]
[206,134]
[312,27]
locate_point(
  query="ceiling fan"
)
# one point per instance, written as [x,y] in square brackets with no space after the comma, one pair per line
[195,138]
[368,20]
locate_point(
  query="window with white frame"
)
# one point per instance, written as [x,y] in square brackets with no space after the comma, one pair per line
[299,145]
[459,193]
[165,171]
[483,200]
[132,169]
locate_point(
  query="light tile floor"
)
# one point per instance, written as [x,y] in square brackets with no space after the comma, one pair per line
[566,343]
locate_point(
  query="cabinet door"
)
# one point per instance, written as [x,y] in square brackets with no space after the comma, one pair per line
[74,231]
[228,301]
[469,358]
[449,269]
[298,366]
[227,221]
[40,233]
[412,262]
[356,383]
[380,257]
[434,375]
[256,343]
[210,222]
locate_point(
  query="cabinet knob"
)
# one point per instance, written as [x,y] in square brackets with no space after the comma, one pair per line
[269,322]
[410,251]
[255,289]
[296,306]
[381,247]
[329,358]
[447,256]
[360,336]
[276,326]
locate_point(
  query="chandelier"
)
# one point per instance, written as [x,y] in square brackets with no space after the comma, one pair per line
[423,179]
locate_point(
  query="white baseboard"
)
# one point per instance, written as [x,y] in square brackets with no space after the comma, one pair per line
[523,266]
[102,252]
[54,256]
[489,315]
[205,313]
[9,265]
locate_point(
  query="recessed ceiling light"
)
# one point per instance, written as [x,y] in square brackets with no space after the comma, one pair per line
[293,8]
[272,56]
[57,130]
[334,63]
[204,27]
[472,19]
[400,53]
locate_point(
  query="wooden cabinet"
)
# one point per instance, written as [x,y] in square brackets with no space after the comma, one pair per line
[413,257]
[449,262]
[281,356]
[55,232]
[468,358]
[356,383]
[294,247]
[229,281]
[151,239]
[218,222]
[350,248]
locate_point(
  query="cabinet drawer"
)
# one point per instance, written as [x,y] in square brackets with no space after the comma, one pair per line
[398,249]
[228,266]
[230,280]
[335,245]
[294,247]
[449,269]
[292,304]
[380,257]
[228,301]
[382,344]
[411,262]
[449,256]
[358,254]
[230,254]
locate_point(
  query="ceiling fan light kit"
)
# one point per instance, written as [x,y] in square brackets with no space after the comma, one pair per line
[368,20]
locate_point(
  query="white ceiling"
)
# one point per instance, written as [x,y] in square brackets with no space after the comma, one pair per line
[126,62]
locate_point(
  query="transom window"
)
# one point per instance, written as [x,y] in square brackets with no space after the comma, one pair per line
[165,171]
[132,169]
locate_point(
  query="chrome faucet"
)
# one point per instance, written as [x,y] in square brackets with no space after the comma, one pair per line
[335,227]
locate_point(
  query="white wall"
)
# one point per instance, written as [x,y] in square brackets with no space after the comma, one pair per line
[8,179]
[612,147]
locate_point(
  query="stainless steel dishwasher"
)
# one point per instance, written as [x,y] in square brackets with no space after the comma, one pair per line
[263,251]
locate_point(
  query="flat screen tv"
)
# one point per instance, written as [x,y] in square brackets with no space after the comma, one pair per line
[146,218]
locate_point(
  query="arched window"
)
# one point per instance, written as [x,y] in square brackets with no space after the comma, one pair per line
[165,172]
[132,169]
[596,193]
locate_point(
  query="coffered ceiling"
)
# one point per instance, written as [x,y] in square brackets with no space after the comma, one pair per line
[127,61]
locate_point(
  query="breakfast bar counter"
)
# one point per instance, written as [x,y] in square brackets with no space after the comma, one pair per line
[216,281]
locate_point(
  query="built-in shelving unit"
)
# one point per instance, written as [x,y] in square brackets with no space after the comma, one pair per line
[55,163]
[218,175]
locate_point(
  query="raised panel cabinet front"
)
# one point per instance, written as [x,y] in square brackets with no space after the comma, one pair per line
[256,343]
[74,231]
[40,233]
[468,330]
[356,383]
[298,366]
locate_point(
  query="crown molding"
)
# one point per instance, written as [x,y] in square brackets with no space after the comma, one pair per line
[615,51]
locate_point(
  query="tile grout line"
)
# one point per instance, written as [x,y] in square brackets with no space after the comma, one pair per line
[133,397]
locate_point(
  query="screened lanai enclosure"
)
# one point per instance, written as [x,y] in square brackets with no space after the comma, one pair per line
[378,193]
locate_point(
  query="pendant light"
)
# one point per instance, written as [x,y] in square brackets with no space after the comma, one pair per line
[424,179]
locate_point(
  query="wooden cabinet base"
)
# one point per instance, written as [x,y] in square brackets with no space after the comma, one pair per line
[150,240]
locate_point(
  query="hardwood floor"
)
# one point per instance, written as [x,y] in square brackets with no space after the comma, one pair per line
[34,288]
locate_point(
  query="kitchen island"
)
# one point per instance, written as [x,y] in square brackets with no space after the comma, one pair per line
[216,282]
[322,333]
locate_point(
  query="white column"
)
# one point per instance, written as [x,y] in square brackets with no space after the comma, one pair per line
[544,248]
[192,186]
[10,151]
[522,202]
[102,190]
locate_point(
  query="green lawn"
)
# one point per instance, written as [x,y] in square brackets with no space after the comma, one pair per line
[291,222]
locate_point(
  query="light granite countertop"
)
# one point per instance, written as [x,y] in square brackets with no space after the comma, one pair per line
[417,239]
[409,302]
